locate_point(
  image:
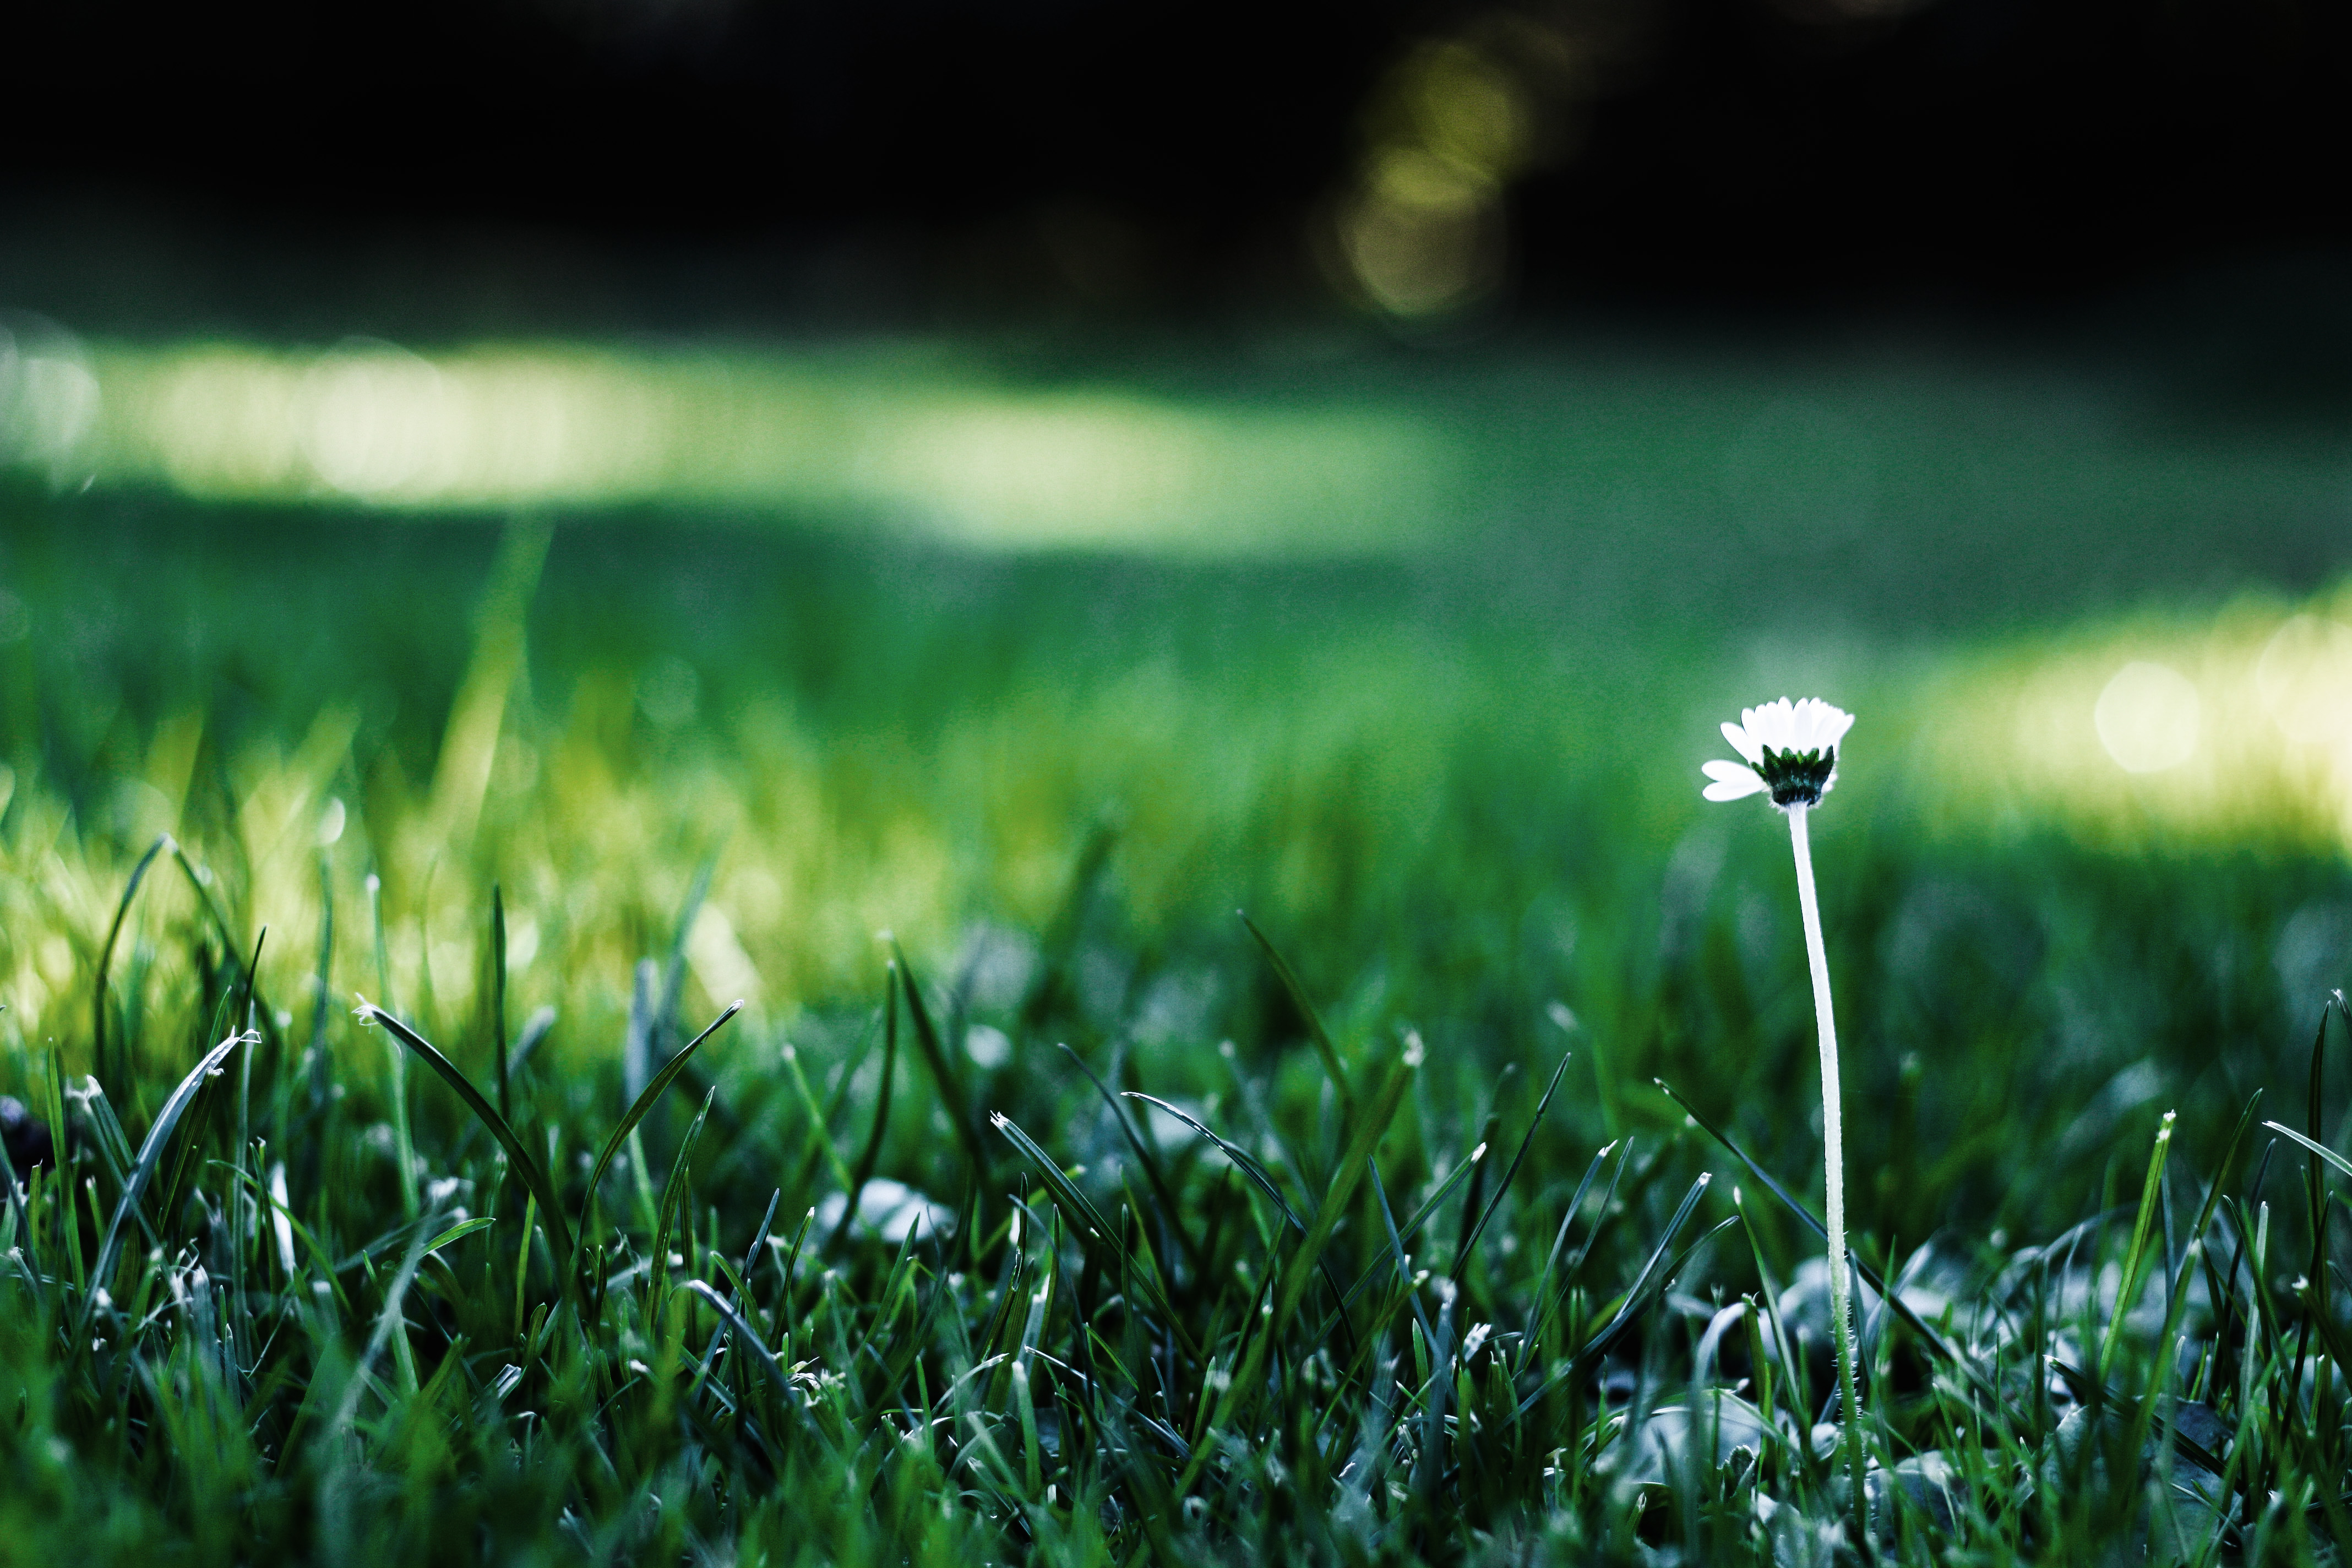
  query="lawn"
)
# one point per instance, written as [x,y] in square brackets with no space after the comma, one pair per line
[1411,1256]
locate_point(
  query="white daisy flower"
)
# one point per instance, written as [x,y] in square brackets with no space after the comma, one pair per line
[1791,750]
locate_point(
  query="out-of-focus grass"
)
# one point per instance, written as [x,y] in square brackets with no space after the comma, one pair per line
[1459,805]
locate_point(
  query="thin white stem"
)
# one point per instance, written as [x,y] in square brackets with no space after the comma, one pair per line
[1832,1155]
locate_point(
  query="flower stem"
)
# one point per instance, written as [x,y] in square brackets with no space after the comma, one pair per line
[1834,1157]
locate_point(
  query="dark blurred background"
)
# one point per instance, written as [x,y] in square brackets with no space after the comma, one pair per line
[928,160]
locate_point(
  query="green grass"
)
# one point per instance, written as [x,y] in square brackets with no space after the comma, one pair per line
[1462,806]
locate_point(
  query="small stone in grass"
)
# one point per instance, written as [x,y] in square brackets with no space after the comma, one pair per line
[26,1136]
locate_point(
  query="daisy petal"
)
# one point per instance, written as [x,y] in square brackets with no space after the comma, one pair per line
[1741,743]
[1731,780]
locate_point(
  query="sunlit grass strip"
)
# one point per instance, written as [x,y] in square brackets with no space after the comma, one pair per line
[2233,727]
[909,439]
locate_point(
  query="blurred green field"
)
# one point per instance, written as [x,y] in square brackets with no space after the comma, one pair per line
[1448,763]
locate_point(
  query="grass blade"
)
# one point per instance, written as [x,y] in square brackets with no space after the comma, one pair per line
[1316,1032]
[106,952]
[863,1172]
[1870,1277]
[499,996]
[941,1065]
[1301,1264]
[551,1206]
[2319,1151]
[1511,1170]
[142,1169]
[2136,1260]
[645,1102]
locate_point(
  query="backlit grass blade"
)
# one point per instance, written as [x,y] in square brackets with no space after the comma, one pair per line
[1536,1310]
[2136,1260]
[2320,1150]
[459,1231]
[1243,1161]
[1512,1169]
[550,1205]
[1170,1210]
[645,1102]
[142,1171]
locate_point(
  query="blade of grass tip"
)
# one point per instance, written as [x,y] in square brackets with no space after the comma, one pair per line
[1243,1161]
[619,1136]
[2136,1259]
[142,1169]
[184,1164]
[747,1337]
[1316,1032]
[2316,1150]
[1251,1167]
[459,1231]
[1412,1228]
[1637,1299]
[1601,1214]
[520,1156]
[1511,1170]
[499,996]
[1057,1181]
[818,1146]
[1397,1258]
[1144,1157]
[1536,1308]
[863,1171]
[942,1068]
[2178,1303]
[1473,1201]
[1870,1277]
[1300,1267]
[760,1236]
[106,952]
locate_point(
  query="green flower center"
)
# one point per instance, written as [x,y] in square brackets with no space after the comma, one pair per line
[1797,778]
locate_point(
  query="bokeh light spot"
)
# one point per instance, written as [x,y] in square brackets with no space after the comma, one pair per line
[2147,716]
[2305,678]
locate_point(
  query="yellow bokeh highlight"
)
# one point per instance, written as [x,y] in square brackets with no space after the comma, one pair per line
[2236,727]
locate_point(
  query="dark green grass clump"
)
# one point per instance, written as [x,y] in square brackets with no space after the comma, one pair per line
[280,1298]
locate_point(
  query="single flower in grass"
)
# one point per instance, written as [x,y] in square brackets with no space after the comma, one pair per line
[1792,750]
